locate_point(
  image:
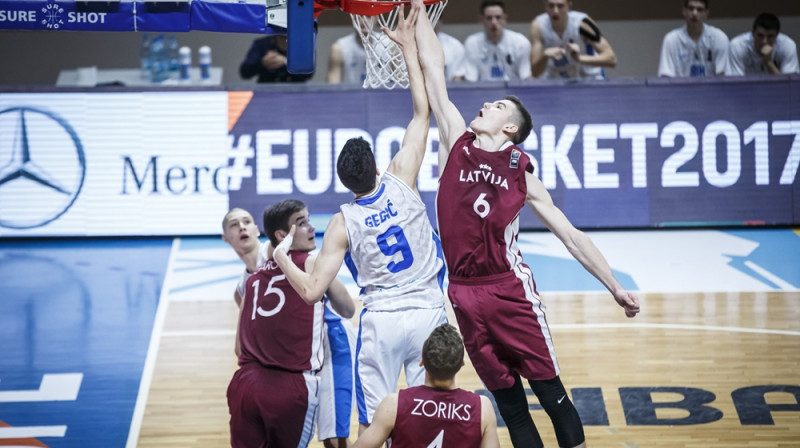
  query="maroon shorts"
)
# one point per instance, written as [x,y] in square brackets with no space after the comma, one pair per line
[504,327]
[271,407]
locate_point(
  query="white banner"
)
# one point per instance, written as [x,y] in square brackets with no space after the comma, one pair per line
[97,164]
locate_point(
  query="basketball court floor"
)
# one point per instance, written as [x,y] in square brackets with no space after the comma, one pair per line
[112,343]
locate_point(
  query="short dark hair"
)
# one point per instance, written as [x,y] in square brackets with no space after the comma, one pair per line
[523,120]
[356,166]
[686,2]
[276,217]
[487,3]
[768,22]
[443,352]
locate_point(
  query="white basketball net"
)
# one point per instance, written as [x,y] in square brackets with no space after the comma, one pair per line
[385,65]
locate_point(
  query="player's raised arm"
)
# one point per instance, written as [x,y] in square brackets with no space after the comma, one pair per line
[431,57]
[312,285]
[407,161]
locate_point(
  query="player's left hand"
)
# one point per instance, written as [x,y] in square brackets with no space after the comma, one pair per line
[403,34]
[628,301]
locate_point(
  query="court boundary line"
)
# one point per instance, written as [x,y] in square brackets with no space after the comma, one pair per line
[598,326]
[152,352]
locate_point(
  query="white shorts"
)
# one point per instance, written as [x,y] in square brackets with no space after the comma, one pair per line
[387,342]
[336,378]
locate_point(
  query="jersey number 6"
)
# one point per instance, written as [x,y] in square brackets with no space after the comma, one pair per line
[481,206]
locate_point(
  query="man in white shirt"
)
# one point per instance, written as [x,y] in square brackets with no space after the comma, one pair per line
[348,61]
[497,53]
[568,44]
[455,57]
[695,49]
[764,50]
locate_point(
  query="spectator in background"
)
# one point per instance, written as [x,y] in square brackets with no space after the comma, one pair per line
[267,59]
[568,44]
[695,49]
[764,50]
[455,57]
[348,61]
[497,53]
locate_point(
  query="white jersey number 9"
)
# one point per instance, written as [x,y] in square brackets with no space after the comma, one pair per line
[400,244]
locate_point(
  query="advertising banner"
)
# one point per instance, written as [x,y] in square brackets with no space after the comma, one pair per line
[66,15]
[616,155]
[94,164]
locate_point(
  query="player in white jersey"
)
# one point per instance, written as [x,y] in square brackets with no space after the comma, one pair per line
[497,53]
[567,44]
[455,57]
[336,376]
[764,50]
[386,239]
[348,61]
[695,49]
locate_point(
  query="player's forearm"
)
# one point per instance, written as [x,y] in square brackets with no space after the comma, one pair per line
[538,64]
[605,59]
[590,257]
[302,282]
[340,299]
[416,79]
[771,67]
[431,55]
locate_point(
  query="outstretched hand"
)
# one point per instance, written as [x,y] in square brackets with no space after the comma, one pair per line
[628,301]
[403,34]
[286,244]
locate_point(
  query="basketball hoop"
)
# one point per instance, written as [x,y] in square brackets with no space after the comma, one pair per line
[385,65]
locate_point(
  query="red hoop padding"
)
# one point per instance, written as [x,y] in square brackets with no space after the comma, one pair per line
[373,7]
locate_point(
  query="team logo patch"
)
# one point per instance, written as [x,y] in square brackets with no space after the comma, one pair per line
[514,162]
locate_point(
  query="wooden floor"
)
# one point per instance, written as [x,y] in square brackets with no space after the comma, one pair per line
[716,343]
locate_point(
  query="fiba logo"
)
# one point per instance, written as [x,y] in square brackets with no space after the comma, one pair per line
[42,167]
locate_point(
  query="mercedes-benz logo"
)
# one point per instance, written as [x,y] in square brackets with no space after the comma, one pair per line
[42,167]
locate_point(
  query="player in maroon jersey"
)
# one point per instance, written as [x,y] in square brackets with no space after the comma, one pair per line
[485,179]
[273,396]
[436,414]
